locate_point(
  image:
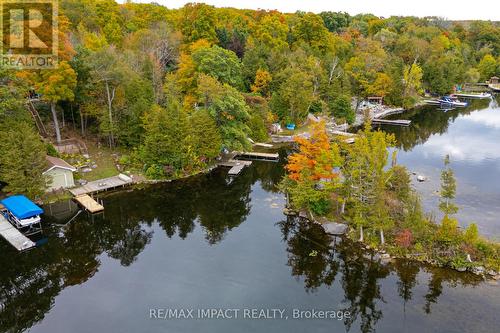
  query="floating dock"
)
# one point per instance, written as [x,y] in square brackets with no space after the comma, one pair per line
[230,160]
[237,167]
[14,236]
[89,203]
[258,156]
[102,185]
[400,122]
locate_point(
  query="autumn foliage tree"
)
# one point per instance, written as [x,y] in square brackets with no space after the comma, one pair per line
[311,170]
[57,85]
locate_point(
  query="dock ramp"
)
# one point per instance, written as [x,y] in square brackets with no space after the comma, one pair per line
[87,202]
[14,236]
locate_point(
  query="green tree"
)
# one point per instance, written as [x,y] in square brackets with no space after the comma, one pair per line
[448,189]
[487,67]
[448,232]
[206,136]
[219,63]
[12,91]
[366,180]
[165,148]
[108,72]
[22,160]
[342,110]
[311,30]
[471,235]
[412,83]
[292,100]
[198,21]
[336,21]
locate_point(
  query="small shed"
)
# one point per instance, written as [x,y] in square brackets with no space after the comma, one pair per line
[59,174]
[494,80]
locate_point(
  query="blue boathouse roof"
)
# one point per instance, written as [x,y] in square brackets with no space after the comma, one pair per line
[21,207]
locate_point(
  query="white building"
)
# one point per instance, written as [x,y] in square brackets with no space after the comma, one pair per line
[59,174]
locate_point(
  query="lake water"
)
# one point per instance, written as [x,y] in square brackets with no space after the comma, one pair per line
[471,136]
[215,242]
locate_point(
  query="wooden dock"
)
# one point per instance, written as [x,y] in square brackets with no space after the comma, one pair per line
[341,133]
[237,167]
[102,185]
[89,203]
[14,236]
[400,122]
[258,156]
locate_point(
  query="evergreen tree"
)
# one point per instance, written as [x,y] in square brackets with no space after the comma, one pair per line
[22,160]
[342,110]
[165,146]
[206,136]
[366,180]
[448,189]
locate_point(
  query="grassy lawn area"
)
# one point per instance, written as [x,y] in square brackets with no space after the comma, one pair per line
[296,131]
[103,158]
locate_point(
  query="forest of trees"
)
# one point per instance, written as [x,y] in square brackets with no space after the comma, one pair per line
[354,184]
[175,86]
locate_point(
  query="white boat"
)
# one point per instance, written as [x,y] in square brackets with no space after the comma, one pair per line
[432,102]
[22,214]
[452,101]
[482,95]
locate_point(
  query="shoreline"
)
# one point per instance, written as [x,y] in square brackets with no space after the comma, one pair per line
[378,254]
[387,255]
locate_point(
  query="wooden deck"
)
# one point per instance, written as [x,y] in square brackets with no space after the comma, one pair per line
[102,185]
[258,156]
[89,203]
[237,167]
[14,236]
[400,122]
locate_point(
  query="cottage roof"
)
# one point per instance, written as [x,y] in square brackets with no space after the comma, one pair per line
[55,162]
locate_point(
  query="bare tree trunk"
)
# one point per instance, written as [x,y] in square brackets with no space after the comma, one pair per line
[72,116]
[82,124]
[335,62]
[361,235]
[342,208]
[382,239]
[56,122]
[110,114]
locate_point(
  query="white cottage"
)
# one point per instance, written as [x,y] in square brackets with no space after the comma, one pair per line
[59,174]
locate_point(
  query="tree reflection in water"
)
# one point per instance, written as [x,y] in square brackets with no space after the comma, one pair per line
[31,281]
[315,258]
[427,121]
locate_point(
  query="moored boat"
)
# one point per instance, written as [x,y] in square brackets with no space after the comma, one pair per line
[22,213]
[432,102]
[482,95]
[452,101]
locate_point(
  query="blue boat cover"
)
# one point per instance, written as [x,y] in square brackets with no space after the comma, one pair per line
[21,207]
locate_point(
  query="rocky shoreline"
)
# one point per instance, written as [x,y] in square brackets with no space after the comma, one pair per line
[334,229]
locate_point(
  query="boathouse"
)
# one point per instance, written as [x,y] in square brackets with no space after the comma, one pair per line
[494,80]
[59,174]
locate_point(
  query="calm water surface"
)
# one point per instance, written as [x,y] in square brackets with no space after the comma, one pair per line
[471,136]
[210,241]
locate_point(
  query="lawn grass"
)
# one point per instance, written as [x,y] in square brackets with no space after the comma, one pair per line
[105,162]
[297,130]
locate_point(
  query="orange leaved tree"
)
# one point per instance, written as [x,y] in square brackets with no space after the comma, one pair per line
[311,171]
